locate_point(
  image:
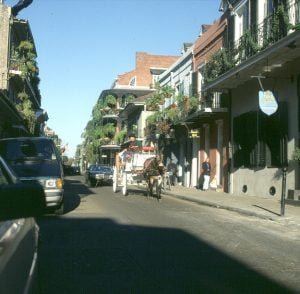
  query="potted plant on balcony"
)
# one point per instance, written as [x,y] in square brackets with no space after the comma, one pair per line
[24,107]
[120,136]
[130,98]
[194,102]
[111,101]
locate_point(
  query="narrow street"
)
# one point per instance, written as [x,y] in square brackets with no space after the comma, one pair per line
[108,243]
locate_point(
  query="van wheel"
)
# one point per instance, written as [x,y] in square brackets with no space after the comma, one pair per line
[60,209]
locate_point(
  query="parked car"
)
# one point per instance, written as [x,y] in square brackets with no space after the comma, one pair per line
[76,170]
[37,159]
[71,170]
[19,204]
[68,170]
[99,174]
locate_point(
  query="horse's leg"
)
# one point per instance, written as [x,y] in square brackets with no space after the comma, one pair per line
[148,187]
[151,185]
[158,187]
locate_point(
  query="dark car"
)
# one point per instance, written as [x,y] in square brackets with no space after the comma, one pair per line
[71,170]
[37,159]
[19,204]
[99,174]
[75,170]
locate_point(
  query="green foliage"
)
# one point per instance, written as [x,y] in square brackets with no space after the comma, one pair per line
[25,109]
[275,28]
[296,154]
[25,58]
[180,99]
[153,118]
[130,98]
[90,154]
[172,114]
[158,98]
[120,136]
[110,101]
[163,127]
[247,46]
[154,101]
[218,64]
[279,25]
[194,102]
[97,112]
[109,130]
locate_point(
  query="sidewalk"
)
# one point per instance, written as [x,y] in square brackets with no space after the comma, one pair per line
[265,208]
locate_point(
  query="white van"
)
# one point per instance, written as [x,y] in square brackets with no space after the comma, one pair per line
[37,159]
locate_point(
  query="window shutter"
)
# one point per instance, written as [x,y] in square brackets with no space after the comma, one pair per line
[195,84]
[230,33]
[275,135]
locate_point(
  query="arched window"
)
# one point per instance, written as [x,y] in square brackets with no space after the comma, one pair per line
[132,82]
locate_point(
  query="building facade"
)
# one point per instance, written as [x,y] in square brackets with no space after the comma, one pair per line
[261,78]
[179,150]
[127,113]
[211,120]
[18,77]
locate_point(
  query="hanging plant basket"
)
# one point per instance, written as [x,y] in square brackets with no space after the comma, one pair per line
[110,101]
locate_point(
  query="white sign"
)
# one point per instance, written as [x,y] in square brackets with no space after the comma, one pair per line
[267,102]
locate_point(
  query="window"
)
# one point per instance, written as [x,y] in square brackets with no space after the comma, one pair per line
[261,140]
[155,79]
[180,88]
[21,149]
[132,82]
[269,8]
[242,19]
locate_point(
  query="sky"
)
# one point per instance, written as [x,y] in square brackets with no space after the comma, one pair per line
[83,45]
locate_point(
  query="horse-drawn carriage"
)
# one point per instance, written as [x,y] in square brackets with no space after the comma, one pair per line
[139,169]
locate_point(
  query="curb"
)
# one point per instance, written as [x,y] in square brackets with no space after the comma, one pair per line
[220,206]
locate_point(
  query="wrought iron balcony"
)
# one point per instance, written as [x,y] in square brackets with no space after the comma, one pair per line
[284,21]
[213,101]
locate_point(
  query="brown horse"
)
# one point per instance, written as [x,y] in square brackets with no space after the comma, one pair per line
[153,175]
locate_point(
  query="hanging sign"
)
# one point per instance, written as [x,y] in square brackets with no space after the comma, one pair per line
[194,133]
[267,102]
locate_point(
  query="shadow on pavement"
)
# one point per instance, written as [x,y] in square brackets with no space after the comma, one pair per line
[75,190]
[265,209]
[98,255]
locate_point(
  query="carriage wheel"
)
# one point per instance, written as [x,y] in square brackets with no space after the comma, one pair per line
[124,187]
[115,180]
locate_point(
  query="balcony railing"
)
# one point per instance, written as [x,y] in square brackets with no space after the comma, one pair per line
[214,101]
[278,25]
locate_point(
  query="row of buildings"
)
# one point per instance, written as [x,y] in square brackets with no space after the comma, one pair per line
[243,70]
[20,99]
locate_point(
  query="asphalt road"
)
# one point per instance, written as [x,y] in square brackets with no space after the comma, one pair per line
[108,243]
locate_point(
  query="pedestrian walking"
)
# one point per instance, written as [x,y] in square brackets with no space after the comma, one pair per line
[172,169]
[206,174]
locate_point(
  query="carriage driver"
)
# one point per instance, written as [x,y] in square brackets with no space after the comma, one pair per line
[130,147]
[133,144]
